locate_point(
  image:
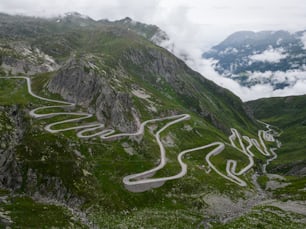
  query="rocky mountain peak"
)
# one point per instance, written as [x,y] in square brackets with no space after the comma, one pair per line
[76,15]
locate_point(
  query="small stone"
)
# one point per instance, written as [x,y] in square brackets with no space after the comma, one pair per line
[86,173]
[3,145]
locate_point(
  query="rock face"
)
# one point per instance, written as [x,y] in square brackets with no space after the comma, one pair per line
[16,173]
[51,190]
[23,59]
[11,134]
[80,82]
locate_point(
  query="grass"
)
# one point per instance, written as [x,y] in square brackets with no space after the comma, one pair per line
[262,181]
[266,217]
[27,213]
[175,89]
[13,92]
[288,114]
[52,156]
[150,218]
[294,191]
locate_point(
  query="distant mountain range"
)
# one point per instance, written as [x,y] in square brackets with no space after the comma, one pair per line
[277,58]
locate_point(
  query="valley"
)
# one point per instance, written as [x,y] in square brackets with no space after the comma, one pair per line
[119,133]
[142,184]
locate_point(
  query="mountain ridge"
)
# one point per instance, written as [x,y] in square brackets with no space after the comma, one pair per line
[261,58]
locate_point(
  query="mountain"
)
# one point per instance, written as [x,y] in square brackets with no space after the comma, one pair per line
[276,58]
[118,54]
[100,127]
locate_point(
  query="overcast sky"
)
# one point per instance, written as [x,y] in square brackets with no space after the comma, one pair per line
[206,20]
[193,25]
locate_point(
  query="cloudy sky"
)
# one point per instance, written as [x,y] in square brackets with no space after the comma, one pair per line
[193,25]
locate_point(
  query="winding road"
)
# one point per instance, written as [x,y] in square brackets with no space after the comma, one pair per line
[143,181]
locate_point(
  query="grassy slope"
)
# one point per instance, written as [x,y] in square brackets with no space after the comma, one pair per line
[266,217]
[177,203]
[288,114]
[24,212]
[52,155]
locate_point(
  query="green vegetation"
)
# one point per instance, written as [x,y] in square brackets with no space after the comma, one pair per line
[266,217]
[288,114]
[27,213]
[87,174]
[105,163]
[295,190]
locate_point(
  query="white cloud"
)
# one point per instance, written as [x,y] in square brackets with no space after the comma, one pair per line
[270,55]
[296,79]
[297,89]
[303,39]
[290,77]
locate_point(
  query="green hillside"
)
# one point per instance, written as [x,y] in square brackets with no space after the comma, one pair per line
[288,114]
[114,72]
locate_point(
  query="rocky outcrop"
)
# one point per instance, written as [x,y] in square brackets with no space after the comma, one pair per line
[155,62]
[50,190]
[11,128]
[81,82]
[23,59]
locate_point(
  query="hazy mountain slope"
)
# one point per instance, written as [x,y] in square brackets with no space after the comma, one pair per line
[276,58]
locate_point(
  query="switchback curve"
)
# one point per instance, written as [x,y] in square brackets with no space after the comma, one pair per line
[143,181]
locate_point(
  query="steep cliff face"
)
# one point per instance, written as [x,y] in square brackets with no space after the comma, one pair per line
[11,128]
[80,81]
[17,174]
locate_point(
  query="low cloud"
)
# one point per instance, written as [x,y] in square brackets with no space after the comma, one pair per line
[297,79]
[290,77]
[270,55]
[303,39]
